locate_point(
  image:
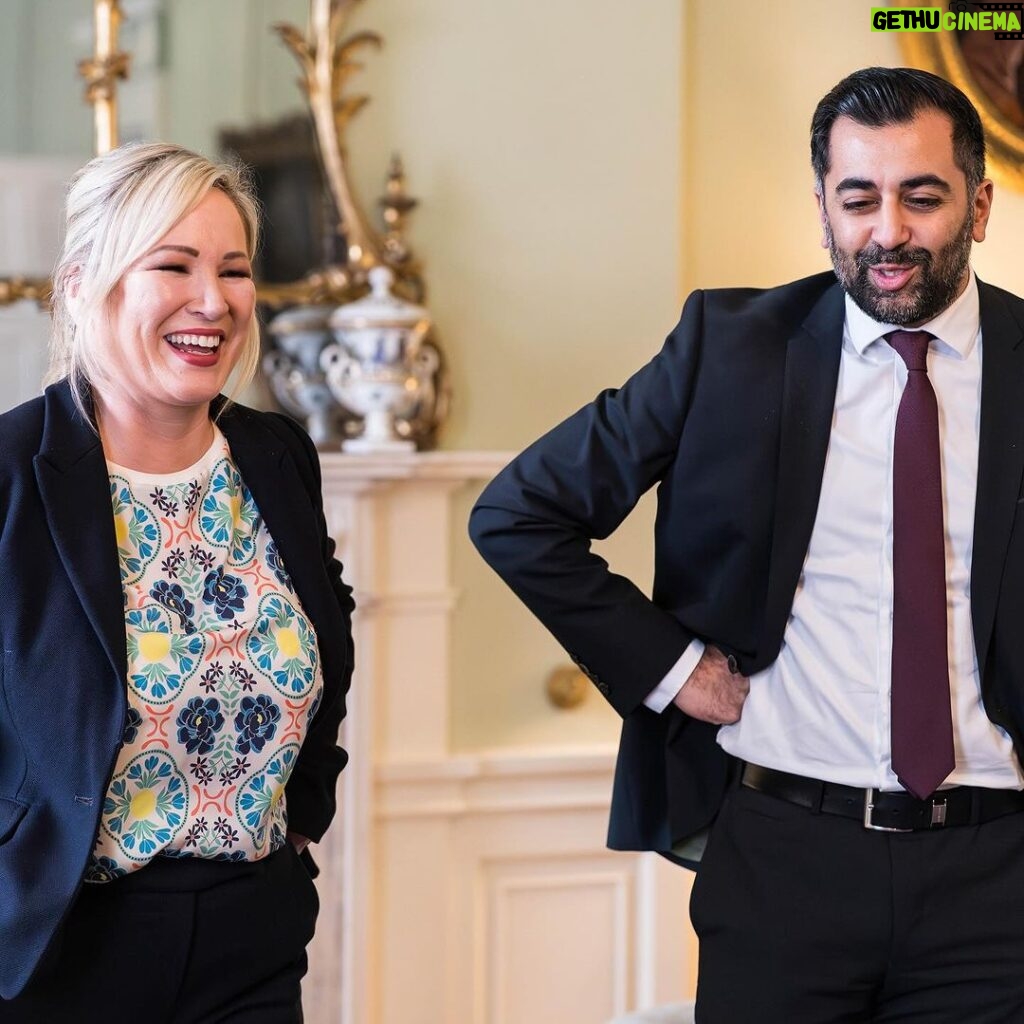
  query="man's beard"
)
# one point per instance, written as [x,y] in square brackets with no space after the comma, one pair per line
[937,282]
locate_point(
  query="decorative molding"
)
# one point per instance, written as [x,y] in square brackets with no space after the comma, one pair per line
[493,784]
[409,602]
[509,881]
[358,472]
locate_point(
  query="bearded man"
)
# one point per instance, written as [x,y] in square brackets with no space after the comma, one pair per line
[823,699]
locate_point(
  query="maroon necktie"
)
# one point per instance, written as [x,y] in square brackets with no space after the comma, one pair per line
[922,726]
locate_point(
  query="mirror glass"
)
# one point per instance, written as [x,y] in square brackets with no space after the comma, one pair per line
[197,69]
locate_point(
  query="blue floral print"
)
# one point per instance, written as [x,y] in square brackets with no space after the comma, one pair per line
[234,771]
[173,598]
[277,566]
[256,723]
[228,517]
[314,707]
[164,502]
[225,592]
[160,660]
[103,869]
[135,531]
[173,562]
[281,645]
[198,723]
[211,677]
[223,674]
[132,724]
[225,833]
[146,805]
[201,556]
[260,801]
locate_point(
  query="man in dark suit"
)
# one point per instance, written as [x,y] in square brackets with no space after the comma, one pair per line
[821,699]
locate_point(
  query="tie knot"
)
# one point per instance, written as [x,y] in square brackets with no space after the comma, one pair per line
[912,347]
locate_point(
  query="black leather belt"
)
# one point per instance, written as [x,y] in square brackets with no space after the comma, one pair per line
[885,811]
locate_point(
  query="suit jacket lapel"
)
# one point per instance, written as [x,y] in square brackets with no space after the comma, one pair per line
[270,473]
[809,391]
[1000,457]
[71,473]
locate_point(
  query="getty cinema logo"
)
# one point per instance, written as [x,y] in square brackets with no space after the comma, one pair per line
[1003,19]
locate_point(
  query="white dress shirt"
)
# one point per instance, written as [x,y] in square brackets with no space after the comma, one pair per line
[821,709]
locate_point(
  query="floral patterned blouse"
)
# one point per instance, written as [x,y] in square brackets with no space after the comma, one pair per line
[223,672]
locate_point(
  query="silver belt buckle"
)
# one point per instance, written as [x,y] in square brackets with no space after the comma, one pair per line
[869,806]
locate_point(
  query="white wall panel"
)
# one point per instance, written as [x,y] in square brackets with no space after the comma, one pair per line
[558,935]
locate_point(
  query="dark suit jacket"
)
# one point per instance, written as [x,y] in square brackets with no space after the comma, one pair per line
[64,659]
[731,422]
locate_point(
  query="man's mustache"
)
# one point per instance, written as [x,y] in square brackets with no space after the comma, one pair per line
[903,257]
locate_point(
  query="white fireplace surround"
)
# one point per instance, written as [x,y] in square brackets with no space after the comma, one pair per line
[466,888]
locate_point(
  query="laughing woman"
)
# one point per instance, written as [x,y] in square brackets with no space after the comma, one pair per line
[176,640]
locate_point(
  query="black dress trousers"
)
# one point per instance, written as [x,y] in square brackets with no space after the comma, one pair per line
[809,918]
[182,941]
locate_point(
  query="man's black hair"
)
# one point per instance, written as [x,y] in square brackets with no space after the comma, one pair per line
[879,97]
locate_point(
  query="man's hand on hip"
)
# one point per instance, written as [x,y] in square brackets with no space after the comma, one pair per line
[713,693]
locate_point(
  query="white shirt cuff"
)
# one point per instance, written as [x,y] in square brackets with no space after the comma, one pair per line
[664,693]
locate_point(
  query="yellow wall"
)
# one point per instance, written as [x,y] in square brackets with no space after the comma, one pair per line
[589,179]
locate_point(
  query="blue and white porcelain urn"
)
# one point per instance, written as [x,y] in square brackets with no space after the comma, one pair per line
[374,367]
[293,369]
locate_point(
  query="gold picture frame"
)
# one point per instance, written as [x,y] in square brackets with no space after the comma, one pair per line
[942,53]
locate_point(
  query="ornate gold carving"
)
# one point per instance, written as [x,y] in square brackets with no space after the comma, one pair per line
[396,205]
[327,64]
[330,285]
[14,289]
[101,72]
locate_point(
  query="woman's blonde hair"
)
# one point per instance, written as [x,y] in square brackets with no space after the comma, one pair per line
[119,205]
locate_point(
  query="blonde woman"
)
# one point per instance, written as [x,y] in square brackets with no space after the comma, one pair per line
[176,640]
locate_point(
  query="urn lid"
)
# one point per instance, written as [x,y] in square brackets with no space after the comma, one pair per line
[380,308]
[300,320]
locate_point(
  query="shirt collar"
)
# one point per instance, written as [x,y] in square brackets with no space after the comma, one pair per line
[956,326]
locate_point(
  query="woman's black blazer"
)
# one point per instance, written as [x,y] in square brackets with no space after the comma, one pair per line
[63,657]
